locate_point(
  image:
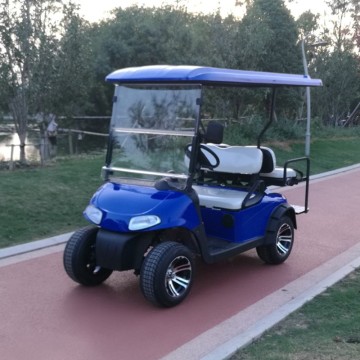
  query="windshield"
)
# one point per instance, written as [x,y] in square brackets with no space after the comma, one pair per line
[150,128]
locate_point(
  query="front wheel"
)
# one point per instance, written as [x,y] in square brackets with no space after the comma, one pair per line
[280,242]
[80,258]
[167,274]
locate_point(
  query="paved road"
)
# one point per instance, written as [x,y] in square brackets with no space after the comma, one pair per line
[44,315]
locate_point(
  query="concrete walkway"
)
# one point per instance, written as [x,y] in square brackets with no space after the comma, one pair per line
[44,315]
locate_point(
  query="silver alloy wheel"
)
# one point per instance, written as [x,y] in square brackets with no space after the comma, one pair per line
[167,273]
[284,239]
[178,276]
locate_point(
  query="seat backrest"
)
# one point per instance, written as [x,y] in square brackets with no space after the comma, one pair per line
[236,159]
[269,160]
[214,132]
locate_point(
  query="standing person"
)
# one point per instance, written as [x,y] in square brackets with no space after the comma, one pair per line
[51,133]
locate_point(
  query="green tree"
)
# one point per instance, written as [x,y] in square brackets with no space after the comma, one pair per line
[138,36]
[27,44]
[73,66]
[267,38]
[213,40]
[307,23]
[339,72]
[267,41]
[338,65]
[45,60]
[346,24]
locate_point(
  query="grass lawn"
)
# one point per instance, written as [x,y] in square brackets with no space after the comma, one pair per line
[41,202]
[326,328]
[325,154]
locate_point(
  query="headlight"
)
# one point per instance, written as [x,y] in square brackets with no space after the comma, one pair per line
[93,214]
[143,222]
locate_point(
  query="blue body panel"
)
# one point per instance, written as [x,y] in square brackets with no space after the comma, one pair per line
[207,75]
[120,202]
[241,225]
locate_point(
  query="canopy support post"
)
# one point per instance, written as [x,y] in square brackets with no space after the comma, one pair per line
[271,118]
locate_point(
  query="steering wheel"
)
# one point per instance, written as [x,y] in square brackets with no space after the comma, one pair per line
[202,158]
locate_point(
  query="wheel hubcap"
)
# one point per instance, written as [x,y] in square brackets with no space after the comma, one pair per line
[91,261]
[178,276]
[284,239]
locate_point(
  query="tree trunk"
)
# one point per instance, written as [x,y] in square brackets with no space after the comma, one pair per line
[19,109]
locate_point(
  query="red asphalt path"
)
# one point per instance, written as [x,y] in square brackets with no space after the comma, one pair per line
[44,315]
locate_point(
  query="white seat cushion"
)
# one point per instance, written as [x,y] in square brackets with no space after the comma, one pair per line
[216,197]
[278,173]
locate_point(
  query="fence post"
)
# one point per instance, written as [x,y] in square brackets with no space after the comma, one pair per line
[42,151]
[11,165]
[71,149]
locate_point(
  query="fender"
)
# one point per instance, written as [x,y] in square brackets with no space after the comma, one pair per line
[282,210]
[121,251]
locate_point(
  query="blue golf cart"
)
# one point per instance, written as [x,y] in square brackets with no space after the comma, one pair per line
[175,191]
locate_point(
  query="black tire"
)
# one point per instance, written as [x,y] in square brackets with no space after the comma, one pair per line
[167,274]
[80,261]
[280,242]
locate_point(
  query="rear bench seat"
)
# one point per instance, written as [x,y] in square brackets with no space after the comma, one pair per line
[245,160]
[250,160]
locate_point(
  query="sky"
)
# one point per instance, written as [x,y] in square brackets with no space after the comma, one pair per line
[96,12]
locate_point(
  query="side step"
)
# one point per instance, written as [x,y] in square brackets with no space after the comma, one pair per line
[219,249]
[217,246]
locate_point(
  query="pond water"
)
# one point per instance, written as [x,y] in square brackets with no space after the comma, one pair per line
[7,139]
[77,143]
[81,144]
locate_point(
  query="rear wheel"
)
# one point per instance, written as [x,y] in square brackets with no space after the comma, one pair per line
[80,258]
[280,242]
[167,274]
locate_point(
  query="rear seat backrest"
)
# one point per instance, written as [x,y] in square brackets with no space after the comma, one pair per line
[269,168]
[269,160]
